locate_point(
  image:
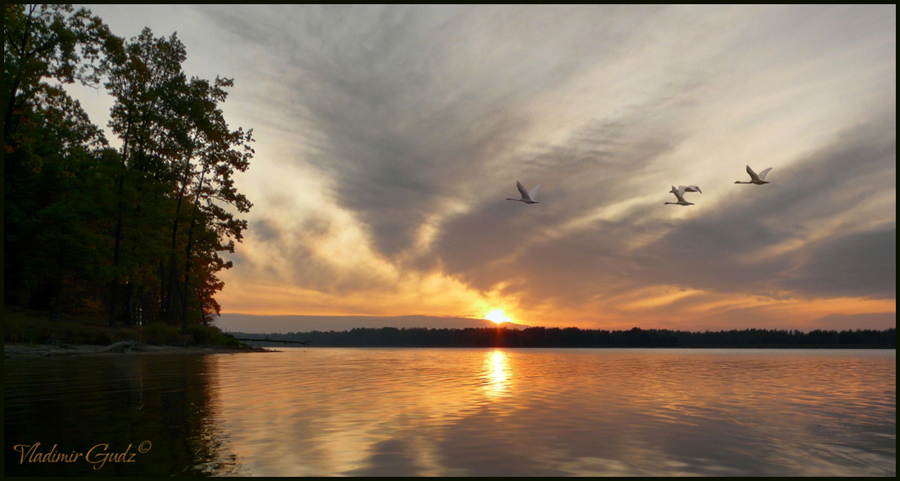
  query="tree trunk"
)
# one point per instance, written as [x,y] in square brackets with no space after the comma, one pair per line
[57,304]
[120,213]
[187,252]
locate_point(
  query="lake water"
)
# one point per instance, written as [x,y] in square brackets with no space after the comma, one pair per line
[456,412]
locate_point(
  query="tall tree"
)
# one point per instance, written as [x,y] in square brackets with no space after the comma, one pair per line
[53,224]
[194,107]
[223,152]
[177,145]
[47,41]
[134,231]
[49,144]
[144,78]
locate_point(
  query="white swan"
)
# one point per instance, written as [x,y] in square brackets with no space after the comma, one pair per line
[686,188]
[679,194]
[527,197]
[758,179]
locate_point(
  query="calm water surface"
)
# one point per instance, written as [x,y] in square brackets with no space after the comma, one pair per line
[465,412]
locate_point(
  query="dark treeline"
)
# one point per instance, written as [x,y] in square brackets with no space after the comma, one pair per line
[131,233]
[574,337]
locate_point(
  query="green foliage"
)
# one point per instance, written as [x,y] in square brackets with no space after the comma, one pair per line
[34,327]
[47,41]
[211,336]
[136,232]
[25,326]
[158,333]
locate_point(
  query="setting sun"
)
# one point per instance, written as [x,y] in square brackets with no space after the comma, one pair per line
[497,316]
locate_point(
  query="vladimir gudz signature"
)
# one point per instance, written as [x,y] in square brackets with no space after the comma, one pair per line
[98,455]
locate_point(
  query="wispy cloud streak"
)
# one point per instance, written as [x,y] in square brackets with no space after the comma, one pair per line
[409,125]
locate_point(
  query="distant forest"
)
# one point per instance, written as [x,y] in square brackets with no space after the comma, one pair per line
[131,233]
[584,338]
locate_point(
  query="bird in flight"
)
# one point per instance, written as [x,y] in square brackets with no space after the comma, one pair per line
[527,197]
[686,188]
[758,179]
[679,194]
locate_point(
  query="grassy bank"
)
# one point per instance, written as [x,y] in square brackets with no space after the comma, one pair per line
[24,326]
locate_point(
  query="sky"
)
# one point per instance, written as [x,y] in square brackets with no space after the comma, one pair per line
[389,137]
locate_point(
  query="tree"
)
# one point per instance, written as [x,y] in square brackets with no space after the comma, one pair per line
[136,230]
[202,140]
[49,146]
[175,143]
[47,41]
[144,77]
[223,152]
[60,235]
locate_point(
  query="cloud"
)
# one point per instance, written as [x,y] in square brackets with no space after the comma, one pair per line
[265,230]
[406,112]
[877,321]
[858,264]
[839,191]
[282,324]
[419,120]
[824,227]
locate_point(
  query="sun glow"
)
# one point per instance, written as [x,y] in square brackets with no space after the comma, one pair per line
[497,316]
[498,373]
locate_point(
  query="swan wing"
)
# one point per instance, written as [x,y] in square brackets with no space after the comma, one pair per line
[522,190]
[762,175]
[753,175]
[533,194]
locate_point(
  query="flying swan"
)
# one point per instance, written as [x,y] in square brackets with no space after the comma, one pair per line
[679,194]
[758,179]
[686,188]
[527,197]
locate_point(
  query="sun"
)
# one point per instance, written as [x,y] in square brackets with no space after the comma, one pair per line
[497,316]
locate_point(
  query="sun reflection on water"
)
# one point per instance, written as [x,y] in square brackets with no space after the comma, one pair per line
[498,373]
[480,412]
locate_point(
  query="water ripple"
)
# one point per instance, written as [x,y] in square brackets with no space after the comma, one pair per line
[474,412]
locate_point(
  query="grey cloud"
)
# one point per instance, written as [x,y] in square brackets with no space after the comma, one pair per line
[883,320]
[600,165]
[296,248]
[253,24]
[857,264]
[714,251]
[237,258]
[409,110]
[265,230]
[395,153]
[591,263]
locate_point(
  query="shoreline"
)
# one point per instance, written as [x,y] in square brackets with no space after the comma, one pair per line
[16,350]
